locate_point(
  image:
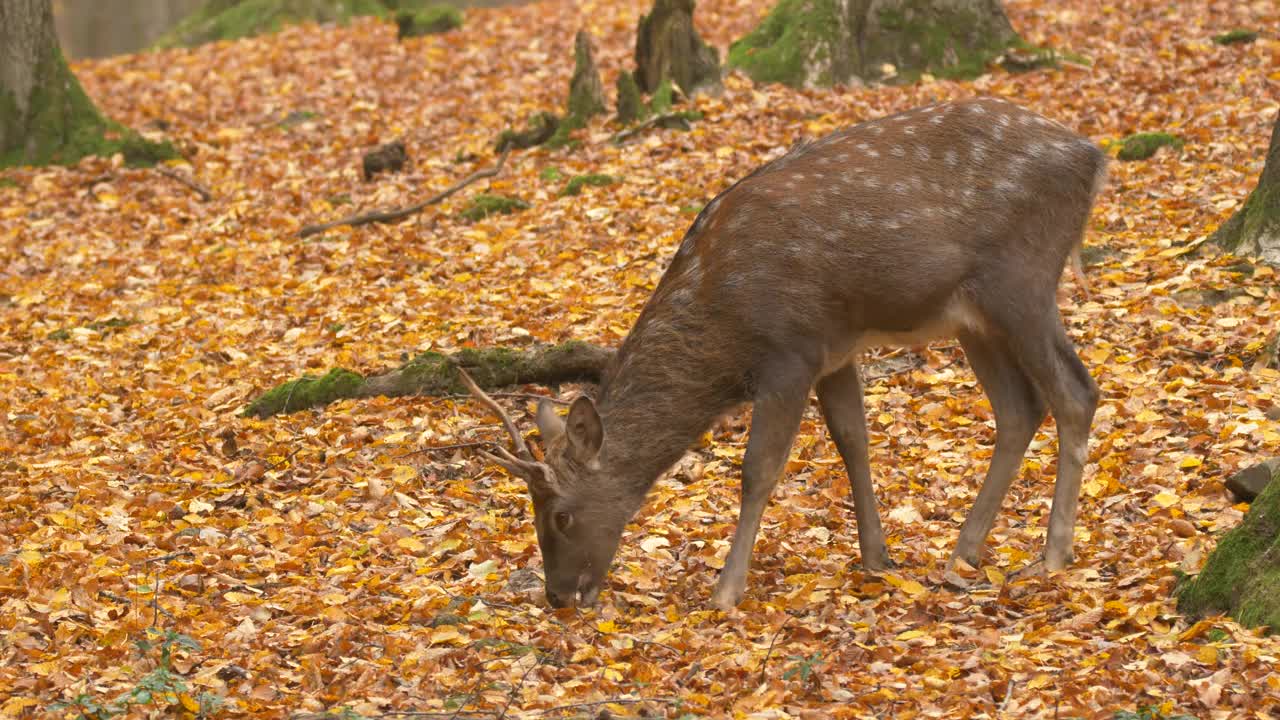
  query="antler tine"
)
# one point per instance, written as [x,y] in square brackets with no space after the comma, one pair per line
[522,450]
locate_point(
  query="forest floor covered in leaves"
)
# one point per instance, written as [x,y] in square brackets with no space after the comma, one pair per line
[326,559]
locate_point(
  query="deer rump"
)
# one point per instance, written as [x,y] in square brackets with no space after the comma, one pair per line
[950,220]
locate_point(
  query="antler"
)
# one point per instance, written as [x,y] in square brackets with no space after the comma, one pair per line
[522,454]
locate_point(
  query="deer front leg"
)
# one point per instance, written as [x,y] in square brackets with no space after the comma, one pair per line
[840,395]
[774,421]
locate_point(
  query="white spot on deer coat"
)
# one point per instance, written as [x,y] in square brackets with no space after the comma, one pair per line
[897,151]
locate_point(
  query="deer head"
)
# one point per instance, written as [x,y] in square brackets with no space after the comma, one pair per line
[577,520]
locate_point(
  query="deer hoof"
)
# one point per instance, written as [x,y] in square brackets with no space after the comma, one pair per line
[726,599]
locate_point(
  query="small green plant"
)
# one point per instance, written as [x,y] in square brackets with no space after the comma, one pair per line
[162,688]
[803,667]
[577,182]
[550,174]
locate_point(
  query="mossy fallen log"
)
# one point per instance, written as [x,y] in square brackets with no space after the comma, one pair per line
[433,373]
[1241,577]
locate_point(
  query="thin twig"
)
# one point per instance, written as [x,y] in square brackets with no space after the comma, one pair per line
[454,446]
[615,701]
[511,696]
[651,122]
[385,216]
[172,174]
[1008,693]
[764,664]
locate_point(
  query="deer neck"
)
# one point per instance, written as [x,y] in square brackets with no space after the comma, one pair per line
[666,386]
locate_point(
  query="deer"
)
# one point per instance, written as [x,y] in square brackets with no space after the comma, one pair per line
[949,221]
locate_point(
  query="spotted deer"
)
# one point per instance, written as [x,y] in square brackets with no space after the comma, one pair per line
[953,220]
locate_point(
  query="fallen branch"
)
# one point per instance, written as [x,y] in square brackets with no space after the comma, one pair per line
[675,119]
[172,174]
[433,373]
[614,701]
[385,216]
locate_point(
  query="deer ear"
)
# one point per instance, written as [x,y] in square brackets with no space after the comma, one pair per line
[549,423]
[586,431]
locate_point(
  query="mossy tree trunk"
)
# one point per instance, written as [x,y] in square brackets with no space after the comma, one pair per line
[1241,577]
[806,43]
[45,116]
[668,48]
[432,373]
[1255,228]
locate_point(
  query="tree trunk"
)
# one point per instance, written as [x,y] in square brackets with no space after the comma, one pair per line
[432,373]
[45,116]
[669,49]
[806,43]
[1255,228]
[1241,577]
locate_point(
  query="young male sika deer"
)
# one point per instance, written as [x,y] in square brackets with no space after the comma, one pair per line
[952,220]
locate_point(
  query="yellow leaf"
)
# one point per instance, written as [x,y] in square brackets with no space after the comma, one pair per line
[994,576]
[15,705]
[1165,499]
[1147,416]
[30,557]
[1207,655]
[334,598]
[607,626]
[237,598]
[412,544]
[1190,461]
[394,438]
[910,587]
[912,634]
[189,702]
[403,473]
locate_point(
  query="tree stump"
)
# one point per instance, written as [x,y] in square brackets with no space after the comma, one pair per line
[586,92]
[669,48]
[810,43]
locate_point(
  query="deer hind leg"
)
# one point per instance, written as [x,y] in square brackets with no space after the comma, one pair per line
[775,419]
[840,395]
[1048,358]
[1019,409]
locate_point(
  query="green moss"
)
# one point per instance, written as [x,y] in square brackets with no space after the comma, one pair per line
[1241,577]
[62,125]
[6,183]
[428,20]
[234,19]
[824,42]
[1238,36]
[630,106]
[550,174]
[793,36]
[484,205]
[663,98]
[1141,146]
[577,182]
[306,392]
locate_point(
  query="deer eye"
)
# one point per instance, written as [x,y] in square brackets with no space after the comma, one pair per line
[563,521]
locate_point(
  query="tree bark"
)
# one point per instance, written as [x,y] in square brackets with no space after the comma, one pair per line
[433,373]
[807,43]
[45,116]
[669,49]
[1241,577]
[1255,228]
